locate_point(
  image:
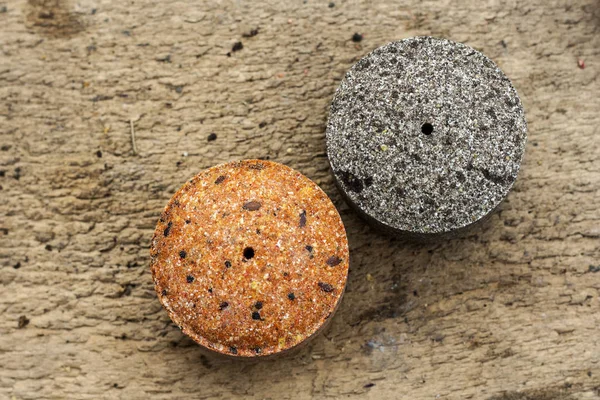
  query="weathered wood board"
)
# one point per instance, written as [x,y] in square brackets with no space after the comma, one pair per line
[510,312]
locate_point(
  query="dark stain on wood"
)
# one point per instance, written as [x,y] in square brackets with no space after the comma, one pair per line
[53,18]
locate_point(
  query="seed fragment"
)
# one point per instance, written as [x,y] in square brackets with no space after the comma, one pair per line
[168,229]
[252,206]
[326,287]
[302,218]
[333,261]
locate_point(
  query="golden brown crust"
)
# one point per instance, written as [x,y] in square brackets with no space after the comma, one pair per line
[250,258]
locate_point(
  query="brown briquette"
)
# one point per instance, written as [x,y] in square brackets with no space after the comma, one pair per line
[252,260]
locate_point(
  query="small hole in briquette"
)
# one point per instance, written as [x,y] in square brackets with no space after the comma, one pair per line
[248,253]
[427,128]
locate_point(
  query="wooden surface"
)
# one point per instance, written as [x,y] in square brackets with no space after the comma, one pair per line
[510,312]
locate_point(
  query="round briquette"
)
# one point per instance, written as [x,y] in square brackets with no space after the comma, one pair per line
[425,137]
[231,264]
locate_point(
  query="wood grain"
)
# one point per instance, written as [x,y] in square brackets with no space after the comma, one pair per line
[509,312]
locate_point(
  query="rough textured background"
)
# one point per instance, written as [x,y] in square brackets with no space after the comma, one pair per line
[511,312]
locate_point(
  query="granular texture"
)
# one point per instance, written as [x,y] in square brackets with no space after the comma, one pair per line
[250,258]
[425,136]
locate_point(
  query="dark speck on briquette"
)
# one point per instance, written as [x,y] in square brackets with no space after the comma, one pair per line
[291,296]
[168,229]
[333,261]
[164,292]
[252,206]
[302,219]
[255,315]
[189,279]
[258,305]
[326,287]
[211,137]
[233,350]
[223,305]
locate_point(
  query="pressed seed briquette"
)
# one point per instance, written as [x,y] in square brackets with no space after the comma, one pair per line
[254,257]
[425,137]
